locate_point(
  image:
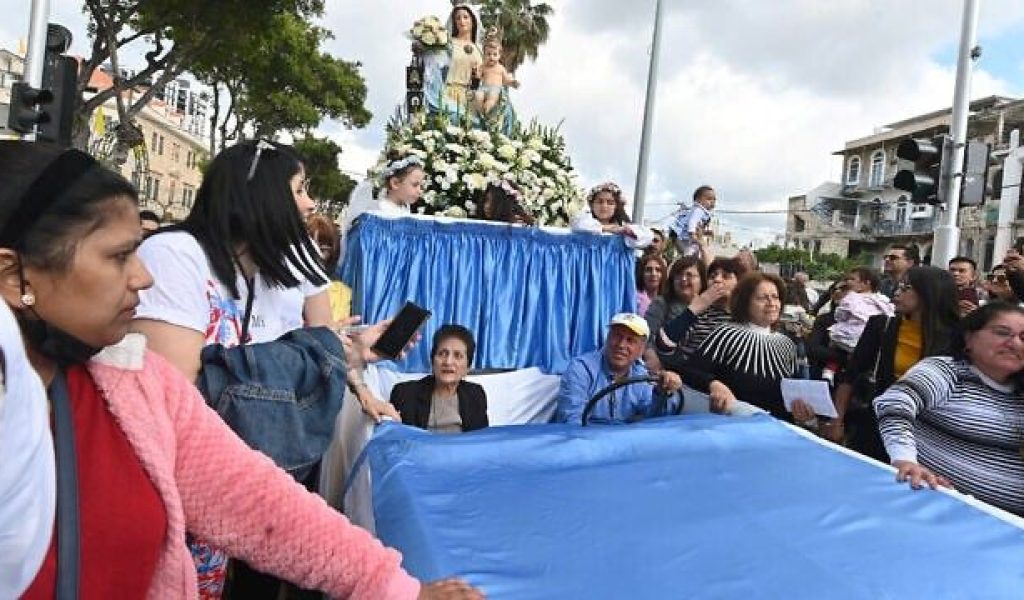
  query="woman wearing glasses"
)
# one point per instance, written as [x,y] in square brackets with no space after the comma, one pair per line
[959,421]
[927,316]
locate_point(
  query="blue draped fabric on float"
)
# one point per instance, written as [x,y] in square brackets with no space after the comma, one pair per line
[532,298]
[698,506]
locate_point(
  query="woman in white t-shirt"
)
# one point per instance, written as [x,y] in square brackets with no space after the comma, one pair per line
[243,246]
[241,268]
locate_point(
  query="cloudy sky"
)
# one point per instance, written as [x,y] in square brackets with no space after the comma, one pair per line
[753,96]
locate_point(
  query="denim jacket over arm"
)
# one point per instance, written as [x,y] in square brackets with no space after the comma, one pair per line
[281,397]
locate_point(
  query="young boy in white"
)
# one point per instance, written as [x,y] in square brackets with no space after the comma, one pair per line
[693,221]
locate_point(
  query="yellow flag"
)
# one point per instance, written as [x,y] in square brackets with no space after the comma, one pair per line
[99,124]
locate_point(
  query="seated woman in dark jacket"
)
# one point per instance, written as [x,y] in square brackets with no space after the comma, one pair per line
[442,402]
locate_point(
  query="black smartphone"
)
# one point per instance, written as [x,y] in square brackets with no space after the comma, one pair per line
[401,331]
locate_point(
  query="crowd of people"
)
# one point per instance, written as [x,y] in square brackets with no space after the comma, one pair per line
[923,364]
[168,355]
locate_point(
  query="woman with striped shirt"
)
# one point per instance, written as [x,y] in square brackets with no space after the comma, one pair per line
[960,421]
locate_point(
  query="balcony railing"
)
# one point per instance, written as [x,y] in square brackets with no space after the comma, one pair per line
[897,228]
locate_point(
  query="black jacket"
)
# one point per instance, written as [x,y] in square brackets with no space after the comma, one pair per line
[412,399]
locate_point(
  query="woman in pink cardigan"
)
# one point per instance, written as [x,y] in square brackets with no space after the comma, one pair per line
[139,435]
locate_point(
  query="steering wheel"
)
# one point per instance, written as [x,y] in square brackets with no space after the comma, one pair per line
[661,402]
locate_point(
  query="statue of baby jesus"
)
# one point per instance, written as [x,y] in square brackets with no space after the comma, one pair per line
[493,77]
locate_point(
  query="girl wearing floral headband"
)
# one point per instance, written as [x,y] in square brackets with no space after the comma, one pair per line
[402,181]
[607,214]
[399,186]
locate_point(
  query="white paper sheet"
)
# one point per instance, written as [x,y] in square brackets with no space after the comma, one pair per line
[813,392]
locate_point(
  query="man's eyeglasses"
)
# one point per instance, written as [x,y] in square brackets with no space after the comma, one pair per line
[892,257]
[998,278]
[261,145]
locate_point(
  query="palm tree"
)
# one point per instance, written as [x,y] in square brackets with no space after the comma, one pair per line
[523,26]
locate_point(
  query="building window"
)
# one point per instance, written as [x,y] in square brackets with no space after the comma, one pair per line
[161,147]
[901,213]
[877,169]
[853,170]
[153,144]
[156,190]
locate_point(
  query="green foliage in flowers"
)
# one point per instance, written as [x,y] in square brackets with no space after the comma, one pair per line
[461,160]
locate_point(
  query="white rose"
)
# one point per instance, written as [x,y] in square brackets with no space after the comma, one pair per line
[429,39]
[474,181]
[471,206]
[507,151]
[456,212]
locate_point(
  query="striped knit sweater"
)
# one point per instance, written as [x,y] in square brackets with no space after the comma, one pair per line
[950,418]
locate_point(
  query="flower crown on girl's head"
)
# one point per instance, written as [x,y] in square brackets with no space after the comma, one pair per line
[509,189]
[395,166]
[607,186]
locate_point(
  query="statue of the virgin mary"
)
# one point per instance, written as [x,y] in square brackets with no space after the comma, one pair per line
[450,74]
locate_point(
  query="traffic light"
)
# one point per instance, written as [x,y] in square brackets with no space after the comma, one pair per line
[28,107]
[48,110]
[975,173]
[60,76]
[924,181]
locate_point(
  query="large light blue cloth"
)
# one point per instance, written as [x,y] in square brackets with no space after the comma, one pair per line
[532,298]
[698,506]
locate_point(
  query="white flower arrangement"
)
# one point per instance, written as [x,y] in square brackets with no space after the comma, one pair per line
[461,161]
[430,32]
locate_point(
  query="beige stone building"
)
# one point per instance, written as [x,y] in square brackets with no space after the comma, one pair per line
[864,213]
[166,171]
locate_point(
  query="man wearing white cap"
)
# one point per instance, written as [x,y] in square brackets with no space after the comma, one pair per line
[618,359]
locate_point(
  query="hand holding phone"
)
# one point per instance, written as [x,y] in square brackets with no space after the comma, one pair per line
[391,341]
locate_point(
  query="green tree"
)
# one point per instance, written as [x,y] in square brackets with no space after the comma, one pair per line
[172,35]
[328,186]
[282,81]
[524,28]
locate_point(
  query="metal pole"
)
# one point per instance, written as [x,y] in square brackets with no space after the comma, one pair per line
[947,236]
[36,54]
[645,136]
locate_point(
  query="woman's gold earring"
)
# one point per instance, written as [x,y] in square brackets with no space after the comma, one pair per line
[28,298]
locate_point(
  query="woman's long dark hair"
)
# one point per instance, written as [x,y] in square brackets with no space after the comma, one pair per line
[260,213]
[936,291]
